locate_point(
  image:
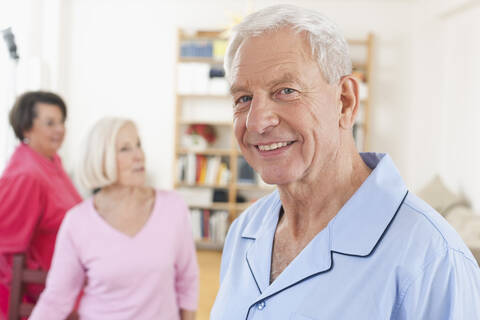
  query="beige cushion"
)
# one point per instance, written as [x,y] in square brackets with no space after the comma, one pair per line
[436,194]
[467,224]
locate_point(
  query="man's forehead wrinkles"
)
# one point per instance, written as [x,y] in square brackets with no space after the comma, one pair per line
[239,87]
[266,76]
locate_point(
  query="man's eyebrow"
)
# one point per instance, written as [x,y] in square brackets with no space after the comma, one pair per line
[286,77]
[234,89]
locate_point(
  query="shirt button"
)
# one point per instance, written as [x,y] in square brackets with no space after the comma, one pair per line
[261,305]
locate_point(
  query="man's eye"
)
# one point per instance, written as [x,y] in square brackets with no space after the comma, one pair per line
[287,91]
[243,99]
[286,94]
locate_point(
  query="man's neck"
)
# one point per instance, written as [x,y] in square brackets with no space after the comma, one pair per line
[310,204]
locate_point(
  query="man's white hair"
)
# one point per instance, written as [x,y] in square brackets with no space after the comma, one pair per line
[329,47]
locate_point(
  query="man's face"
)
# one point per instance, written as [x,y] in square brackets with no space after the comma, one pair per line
[286,116]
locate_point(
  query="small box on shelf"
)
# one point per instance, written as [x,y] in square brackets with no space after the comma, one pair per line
[201,78]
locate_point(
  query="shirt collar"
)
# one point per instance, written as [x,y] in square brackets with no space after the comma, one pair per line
[361,222]
[50,164]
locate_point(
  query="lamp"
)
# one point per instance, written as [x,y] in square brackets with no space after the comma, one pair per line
[9,38]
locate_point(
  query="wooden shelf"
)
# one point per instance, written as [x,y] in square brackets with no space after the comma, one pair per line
[244,186]
[359,65]
[213,206]
[208,152]
[210,60]
[242,206]
[208,245]
[186,185]
[224,206]
[357,42]
[202,35]
[204,96]
[212,123]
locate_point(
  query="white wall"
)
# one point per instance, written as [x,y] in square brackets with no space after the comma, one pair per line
[120,62]
[34,26]
[117,57]
[461,108]
[121,55]
[444,88]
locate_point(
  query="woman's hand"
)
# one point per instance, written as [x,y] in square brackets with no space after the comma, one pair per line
[73,316]
[187,314]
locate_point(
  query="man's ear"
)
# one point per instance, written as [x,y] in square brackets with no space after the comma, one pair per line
[349,101]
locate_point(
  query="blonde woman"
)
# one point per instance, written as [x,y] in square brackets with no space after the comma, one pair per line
[130,244]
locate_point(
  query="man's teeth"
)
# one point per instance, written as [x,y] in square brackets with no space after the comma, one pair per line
[272,146]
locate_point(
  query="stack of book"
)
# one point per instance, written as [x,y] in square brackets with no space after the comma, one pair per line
[203,48]
[209,225]
[195,169]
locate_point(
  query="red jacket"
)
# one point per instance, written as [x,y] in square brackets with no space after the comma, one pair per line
[35,194]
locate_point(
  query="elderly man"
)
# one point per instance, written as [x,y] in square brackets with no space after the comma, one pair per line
[341,238]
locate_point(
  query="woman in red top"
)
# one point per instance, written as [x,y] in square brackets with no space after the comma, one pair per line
[35,191]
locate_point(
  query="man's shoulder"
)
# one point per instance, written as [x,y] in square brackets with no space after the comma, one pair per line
[426,228]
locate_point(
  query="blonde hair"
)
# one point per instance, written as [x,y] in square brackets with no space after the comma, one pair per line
[98,166]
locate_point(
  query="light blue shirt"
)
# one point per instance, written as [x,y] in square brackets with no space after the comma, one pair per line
[385,255]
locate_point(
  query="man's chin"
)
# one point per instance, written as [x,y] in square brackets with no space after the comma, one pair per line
[277,179]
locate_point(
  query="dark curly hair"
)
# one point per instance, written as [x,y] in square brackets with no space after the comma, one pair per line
[23,111]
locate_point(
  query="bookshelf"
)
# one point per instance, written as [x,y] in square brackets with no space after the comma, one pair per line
[213,177]
[361,51]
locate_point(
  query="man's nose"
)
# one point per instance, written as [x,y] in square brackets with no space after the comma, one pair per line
[261,116]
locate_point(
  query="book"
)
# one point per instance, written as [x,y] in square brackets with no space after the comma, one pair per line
[223,175]
[218,226]
[191,169]
[181,166]
[196,48]
[219,48]
[206,224]
[196,217]
[213,165]
[201,169]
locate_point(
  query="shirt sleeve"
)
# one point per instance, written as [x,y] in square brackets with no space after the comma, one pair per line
[186,267]
[446,289]
[22,202]
[65,278]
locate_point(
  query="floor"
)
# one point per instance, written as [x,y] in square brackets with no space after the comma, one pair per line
[209,264]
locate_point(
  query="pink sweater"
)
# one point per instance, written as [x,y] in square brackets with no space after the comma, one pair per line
[149,276]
